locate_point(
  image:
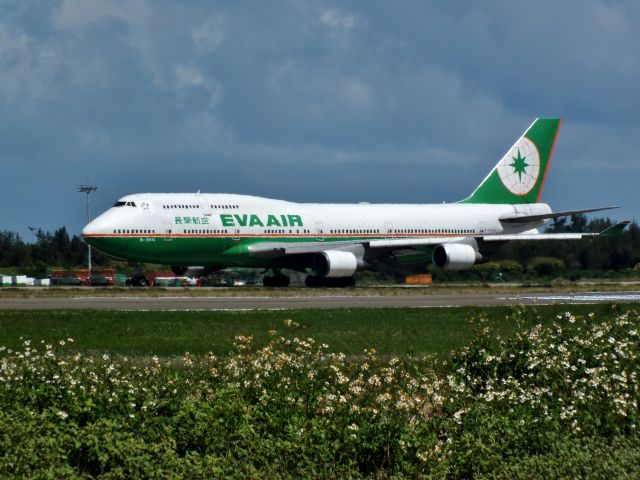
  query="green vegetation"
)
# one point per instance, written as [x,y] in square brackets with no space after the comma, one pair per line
[548,400]
[396,331]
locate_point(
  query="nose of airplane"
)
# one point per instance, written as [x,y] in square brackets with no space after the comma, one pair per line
[96,227]
[87,229]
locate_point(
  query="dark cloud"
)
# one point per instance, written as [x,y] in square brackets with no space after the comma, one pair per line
[317,101]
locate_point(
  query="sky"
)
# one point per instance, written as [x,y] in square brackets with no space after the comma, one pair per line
[311,101]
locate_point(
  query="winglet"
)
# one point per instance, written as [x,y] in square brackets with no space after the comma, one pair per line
[615,230]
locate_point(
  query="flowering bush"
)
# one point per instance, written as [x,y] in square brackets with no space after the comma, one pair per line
[576,377]
[291,408]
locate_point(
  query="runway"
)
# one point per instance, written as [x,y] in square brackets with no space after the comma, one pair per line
[308,302]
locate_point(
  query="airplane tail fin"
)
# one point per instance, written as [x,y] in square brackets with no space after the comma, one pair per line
[520,174]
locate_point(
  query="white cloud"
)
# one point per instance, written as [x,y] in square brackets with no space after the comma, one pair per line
[93,137]
[79,14]
[357,94]
[336,20]
[188,77]
[278,76]
[26,67]
[209,35]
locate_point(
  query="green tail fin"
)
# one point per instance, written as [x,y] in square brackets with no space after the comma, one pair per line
[519,176]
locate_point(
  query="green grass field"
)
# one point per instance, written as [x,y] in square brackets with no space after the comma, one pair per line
[395,331]
[536,392]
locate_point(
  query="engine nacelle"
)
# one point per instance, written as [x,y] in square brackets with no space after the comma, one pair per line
[455,256]
[334,263]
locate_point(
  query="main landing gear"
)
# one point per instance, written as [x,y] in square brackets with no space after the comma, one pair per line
[330,282]
[139,280]
[278,280]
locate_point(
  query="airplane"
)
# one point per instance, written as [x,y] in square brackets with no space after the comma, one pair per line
[334,241]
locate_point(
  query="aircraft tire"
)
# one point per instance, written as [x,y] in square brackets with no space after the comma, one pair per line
[313,282]
[339,282]
[278,281]
[349,282]
[139,281]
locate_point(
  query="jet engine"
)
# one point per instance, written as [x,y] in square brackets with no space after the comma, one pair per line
[334,263]
[455,256]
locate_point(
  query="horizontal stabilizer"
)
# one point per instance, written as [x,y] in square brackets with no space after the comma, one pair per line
[545,216]
[615,230]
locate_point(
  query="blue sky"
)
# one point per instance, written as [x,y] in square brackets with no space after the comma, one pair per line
[408,101]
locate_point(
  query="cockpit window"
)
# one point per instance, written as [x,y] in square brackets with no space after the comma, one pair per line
[131,204]
[119,204]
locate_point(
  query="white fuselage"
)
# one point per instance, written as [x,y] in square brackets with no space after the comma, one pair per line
[255,217]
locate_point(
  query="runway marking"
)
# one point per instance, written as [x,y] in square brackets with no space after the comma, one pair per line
[265,302]
[585,298]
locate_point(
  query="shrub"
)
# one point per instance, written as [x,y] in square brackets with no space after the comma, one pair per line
[546,266]
[535,405]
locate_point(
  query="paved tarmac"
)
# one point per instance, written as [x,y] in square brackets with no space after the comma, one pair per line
[310,302]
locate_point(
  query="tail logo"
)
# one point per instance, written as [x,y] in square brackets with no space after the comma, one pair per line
[520,167]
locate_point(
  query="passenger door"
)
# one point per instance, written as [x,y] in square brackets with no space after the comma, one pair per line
[168,231]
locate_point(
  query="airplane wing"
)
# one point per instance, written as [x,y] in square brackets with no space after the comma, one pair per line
[283,249]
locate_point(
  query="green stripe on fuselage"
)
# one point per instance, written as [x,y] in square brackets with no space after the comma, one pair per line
[225,250]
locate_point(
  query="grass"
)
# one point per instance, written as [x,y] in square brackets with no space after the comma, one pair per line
[559,400]
[398,331]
